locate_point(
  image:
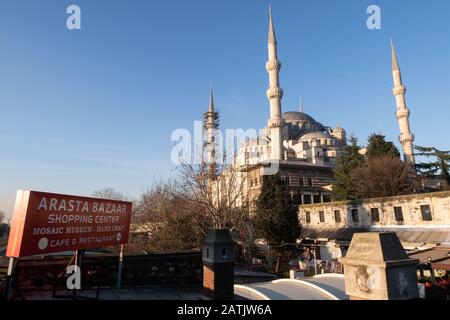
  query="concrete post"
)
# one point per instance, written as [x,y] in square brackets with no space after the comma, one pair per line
[377,267]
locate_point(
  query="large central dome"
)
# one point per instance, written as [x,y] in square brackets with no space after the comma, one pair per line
[293,116]
[299,123]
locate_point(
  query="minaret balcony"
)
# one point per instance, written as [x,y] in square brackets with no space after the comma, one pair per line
[399,90]
[402,113]
[406,138]
[274,122]
[274,92]
[273,64]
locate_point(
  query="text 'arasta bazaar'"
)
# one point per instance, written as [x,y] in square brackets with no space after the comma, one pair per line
[63,205]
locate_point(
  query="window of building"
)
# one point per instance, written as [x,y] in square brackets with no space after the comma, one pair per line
[321,216]
[398,213]
[426,212]
[375,214]
[337,215]
[308,217]
[283,179]
[307,199]
[310,182]
[297,200]
[305,182]
[317,198]
[326,198]
[355,216]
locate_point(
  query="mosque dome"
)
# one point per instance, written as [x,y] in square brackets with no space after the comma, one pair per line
[315,135]
[294,116]
[299,123]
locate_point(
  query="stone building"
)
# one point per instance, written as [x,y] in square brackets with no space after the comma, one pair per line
[420,221]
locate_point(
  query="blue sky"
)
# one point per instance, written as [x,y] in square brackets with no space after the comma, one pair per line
[87,109]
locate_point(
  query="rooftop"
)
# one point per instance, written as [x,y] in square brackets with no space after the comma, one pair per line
[321,287]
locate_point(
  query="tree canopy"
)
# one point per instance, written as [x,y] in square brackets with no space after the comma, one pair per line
[383,176]
[440,167]
[276,217]
[377,146]
[350,159]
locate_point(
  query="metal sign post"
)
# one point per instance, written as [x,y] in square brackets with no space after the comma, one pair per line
[119,272]
[9,277]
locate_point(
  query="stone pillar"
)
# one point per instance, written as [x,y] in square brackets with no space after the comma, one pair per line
[376,267]
[218,265]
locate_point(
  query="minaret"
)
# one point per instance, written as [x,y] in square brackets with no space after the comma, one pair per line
[406,137]
[301,105]
[274,93]
[210,126]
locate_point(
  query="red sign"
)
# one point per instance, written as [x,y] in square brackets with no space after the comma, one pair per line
[48,222]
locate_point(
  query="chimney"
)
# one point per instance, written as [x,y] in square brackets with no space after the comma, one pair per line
[377,267]
[218,265]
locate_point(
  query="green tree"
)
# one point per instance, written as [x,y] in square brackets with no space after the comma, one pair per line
[350,159]
[276,217]
[440,167]
[377,146]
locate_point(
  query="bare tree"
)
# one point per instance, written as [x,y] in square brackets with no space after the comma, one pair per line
[383,176]
[162,220]
[220,201]
[2,216]
[109,193]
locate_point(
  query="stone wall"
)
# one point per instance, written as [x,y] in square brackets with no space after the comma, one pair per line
[411,207]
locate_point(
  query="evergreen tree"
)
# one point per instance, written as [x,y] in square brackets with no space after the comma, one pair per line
[377,147]
[276,217]
[349,160]
[438,168]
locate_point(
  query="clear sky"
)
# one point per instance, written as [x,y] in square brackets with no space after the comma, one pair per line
[86,109]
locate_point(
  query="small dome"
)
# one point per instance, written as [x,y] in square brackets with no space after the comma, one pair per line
[315,135]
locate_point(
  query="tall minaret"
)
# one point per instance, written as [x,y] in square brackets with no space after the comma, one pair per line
[274,93]
[406,137]
[210,126]
[301,104]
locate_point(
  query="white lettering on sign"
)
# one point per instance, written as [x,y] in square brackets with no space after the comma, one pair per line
[63,205]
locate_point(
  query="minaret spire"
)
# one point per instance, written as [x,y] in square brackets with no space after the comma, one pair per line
[210,127]
[301,104]
[394,57]
[272,37]
[211,99]
[274,93]
[406,138]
